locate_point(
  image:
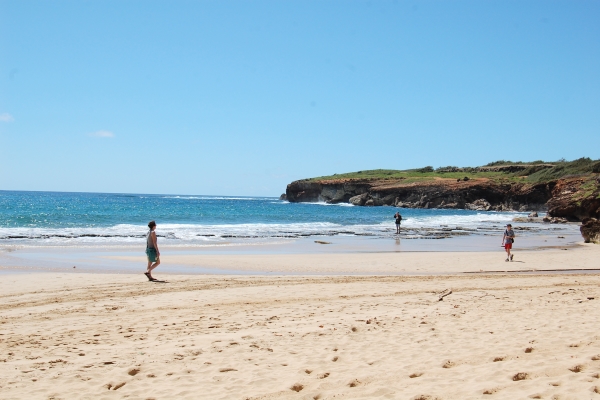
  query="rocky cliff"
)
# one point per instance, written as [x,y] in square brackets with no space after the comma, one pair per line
[570,198]
[475,194]
[590,230]
[567,190]
[576,198]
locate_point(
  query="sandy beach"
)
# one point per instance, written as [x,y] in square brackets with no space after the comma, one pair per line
[505,336]
[343,199]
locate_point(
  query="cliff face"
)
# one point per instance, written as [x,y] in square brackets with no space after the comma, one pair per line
[475,194]
[576,198]
[573,199]
[328,191]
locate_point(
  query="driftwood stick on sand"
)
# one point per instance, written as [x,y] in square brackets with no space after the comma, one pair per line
[445,293]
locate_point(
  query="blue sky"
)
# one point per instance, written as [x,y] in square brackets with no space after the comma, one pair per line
[242,97]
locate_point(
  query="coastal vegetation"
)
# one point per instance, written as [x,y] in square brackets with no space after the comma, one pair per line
[498,171]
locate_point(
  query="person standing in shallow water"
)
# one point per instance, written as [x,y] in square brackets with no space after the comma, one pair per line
[507,240]
[152,251]
[398,218]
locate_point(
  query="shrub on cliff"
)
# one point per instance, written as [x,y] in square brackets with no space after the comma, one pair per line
[565,169]
[499,162]
[428,168]
[449,168]
[507,162]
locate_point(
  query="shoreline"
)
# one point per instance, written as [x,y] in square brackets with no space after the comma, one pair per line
[340,256]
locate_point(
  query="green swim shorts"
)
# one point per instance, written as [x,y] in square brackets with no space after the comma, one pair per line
[151,253]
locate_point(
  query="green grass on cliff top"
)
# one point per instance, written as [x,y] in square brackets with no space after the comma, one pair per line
[534,172]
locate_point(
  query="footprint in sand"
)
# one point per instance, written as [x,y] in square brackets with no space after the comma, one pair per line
[520,376]
[133,371]
[297,387]
[323,376]
[118,386]
[448,364]
[415,375]
[490,391]
[496,359]
[577,368]
[354,383]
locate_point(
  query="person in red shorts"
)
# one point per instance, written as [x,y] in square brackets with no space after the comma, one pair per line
[508,240]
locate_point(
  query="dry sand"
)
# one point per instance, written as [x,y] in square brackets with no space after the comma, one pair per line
[504,336]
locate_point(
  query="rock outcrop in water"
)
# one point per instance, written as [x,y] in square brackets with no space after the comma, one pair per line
[590,230]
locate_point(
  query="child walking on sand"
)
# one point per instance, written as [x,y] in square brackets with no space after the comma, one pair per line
[507,240]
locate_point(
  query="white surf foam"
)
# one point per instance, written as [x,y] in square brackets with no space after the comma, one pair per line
[193,234]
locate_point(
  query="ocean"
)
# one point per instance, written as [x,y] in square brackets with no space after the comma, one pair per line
[106,219]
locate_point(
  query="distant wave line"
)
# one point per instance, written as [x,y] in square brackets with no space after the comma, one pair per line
[217,198]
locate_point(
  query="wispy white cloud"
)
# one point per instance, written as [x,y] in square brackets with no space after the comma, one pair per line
[102,134]
[6,117]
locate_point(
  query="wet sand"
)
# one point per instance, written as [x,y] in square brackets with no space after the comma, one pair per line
[391,263]
[315,255]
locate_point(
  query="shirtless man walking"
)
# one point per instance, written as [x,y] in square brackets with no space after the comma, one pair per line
[152,251]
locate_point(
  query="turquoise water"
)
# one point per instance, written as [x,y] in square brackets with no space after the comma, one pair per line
[97,219]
